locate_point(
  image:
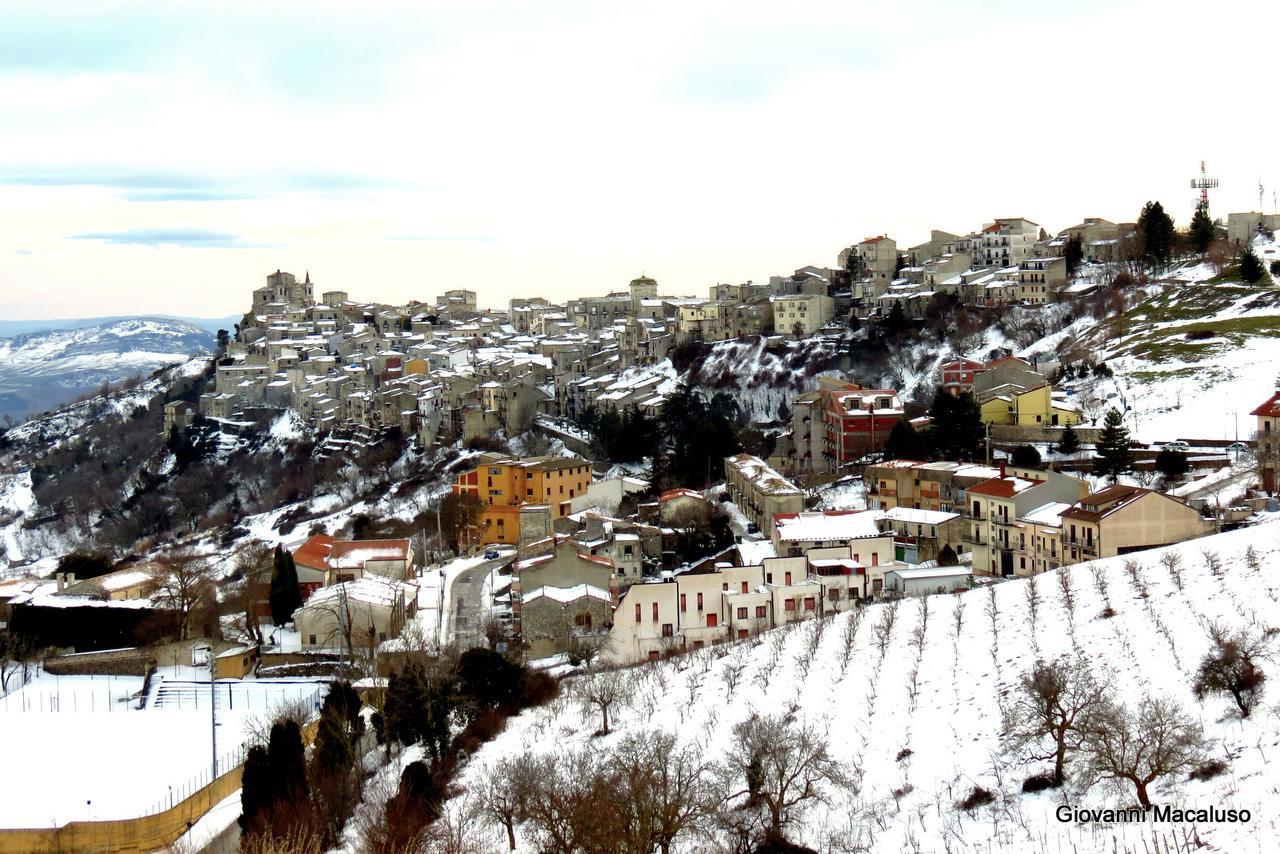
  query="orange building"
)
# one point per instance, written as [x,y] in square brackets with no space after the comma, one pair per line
[504,484]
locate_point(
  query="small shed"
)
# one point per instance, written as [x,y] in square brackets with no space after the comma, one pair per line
[236,662]
[923,580]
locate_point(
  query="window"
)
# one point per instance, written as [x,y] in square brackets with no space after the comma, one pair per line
[834,594]
[637,612]
[653,655]
[684,603]
[626,550]
[761,611]
[655,612]
[311,639]
[667,630]
[699,601]
[809,603]
[712,620]
[789,605]
[382,636]
[742,633]
[583,619]
[744,587]
[742,613]
[768,578]
[788,577]
[724,586]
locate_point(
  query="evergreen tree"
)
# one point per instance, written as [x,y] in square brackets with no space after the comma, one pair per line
[1113,454]
[1073,252]
[1156,231]
[956,431]
[1025,457]
[1172,464]
[1202,232]
[1068,442]
[285,595]
[904,443]
[335,775]
[1251,270]
[255,790]
[947,556]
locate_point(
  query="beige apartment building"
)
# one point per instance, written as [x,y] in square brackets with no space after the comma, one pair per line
[938,486]
[760,491]
[802,314]
[1267,441]
[1122,519]
[995,507]
[355,614]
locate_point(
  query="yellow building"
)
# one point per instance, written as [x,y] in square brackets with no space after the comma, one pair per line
[1122,519]
[504,484]
[1026,407]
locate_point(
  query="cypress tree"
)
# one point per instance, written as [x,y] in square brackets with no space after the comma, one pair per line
[1068,442]
[1113,455]
[947,556]
[904,443]
[287,762]
[1251,270]
[255,789]
[1155,229]
[285,596]
[1202,231]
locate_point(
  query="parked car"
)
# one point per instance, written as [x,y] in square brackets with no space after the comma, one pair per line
[492,554]
[1237,447]
[1177,446]
[753,528]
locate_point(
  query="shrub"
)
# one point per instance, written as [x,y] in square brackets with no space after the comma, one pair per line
[539,689]
[1209,770]
[977,797]
[903,754]
[1038,782]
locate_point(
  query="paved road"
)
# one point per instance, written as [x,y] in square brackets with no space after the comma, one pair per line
[466,611]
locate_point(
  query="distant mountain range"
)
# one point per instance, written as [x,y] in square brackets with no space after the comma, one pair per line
[42,369]
[9,328]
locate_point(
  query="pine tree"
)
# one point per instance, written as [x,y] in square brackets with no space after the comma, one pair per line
[1113,454]
[904,443]
[1155,230]
[1251,270]
[285,595]
[956,431]
[1074,254]
[1202,231]
[255,789]
[1069,442]
[1025,457]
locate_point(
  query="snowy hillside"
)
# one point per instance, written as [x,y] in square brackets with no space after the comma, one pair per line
[911,701]
[41,370]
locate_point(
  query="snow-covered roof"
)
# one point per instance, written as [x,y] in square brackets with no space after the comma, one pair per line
[568,594]
[825,526]
[923,517]
[370,590]
[1046,514]
[918,572]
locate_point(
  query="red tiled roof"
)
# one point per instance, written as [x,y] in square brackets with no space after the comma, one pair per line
[314,551]
[1270,409]
[679,492]
[365,550]
[876,239]
[1000,487]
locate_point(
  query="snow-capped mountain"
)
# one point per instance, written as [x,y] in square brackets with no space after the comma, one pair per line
[40,370]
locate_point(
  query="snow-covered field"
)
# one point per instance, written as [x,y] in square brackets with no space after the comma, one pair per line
[943,700]
[86,751]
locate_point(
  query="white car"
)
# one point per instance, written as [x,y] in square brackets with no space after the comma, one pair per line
[1179,445]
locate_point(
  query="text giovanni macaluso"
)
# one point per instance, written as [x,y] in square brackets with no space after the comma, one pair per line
[1161,813]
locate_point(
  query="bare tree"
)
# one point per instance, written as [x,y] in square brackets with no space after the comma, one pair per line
[1157,740]
[601,691]
[1051,711]
[253,565]
[16,656]
[184,582]
[1231,667]
[669,791]
[504,793]
[784,766]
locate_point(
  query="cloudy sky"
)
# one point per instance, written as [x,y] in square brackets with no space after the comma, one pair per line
[163,158]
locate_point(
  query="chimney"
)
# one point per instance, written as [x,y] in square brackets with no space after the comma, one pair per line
[1002,468]
[62,581]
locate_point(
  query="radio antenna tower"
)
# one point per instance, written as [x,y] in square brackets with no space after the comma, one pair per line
[1204,184]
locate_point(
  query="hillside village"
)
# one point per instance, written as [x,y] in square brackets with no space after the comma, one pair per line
[599,496]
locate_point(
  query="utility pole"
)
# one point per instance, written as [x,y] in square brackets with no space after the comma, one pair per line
[213,712]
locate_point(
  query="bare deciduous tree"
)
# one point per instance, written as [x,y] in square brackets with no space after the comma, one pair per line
[784,766]
[184,582]
[669,791]
[1140,746]
[1231,667]
[601,691]
[504,794]
[1052,709]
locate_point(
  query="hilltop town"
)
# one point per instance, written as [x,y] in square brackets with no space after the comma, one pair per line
[352,489]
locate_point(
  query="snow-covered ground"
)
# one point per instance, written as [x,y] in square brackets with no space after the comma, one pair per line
[943,699]
[86,751]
